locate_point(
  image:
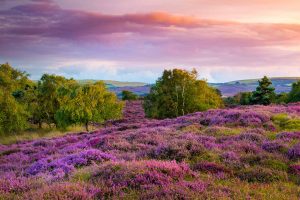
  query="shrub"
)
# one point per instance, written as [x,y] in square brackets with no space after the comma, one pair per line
[273,146]
[295,168]
[288,135]
[286,122]
[65,191]
[262,175]
[128,95]
[294,152]
[275,164]
[170,152]
[210,167]
[143,176]
[61,167]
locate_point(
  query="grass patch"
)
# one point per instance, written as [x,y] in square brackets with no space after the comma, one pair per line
[286,122]
[244,190]
[36,133]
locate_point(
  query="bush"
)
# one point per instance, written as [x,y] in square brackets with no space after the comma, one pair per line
[128,95]
[262,175]
[210,167]
[273,146]
[294,94]
[294,152]
[285,122]
[65,191]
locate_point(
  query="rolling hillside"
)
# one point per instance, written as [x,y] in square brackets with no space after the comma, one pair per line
[282,84]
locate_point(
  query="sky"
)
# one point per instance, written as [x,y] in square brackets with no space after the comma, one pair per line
[135,40]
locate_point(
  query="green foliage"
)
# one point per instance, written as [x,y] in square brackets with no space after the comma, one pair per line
[275,164]
[285,122]
[13,117]
[242,98]
[281,98]
[264,93]
[53,100]
[294,95]
[245,98]
[89,103]
[13,113]
[177,93]
[259,174]
[49,100]
[128,95]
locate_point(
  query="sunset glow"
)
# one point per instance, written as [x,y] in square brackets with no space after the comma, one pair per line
[135,40]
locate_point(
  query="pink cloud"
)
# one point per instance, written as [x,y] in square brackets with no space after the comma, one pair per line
[47,30]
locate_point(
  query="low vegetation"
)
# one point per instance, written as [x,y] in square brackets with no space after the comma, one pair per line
[217,154]
[243,152]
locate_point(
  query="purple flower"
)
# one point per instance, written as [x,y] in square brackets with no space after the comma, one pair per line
[294,152]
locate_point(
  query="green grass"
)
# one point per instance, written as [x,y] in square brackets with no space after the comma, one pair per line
[286,122]
[37,133]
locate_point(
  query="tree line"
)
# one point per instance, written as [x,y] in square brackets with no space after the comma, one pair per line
[53,100]
[61,102]
[265,95]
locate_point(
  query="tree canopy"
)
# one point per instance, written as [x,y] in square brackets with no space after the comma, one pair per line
[294,95]
[128,95]
[89,103]
[178,92]
[52,100]
[13,115]
[264,93]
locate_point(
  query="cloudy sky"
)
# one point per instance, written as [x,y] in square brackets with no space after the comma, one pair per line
[134,40]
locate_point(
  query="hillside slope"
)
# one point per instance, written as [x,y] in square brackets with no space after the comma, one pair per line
[218,154]
[281,84]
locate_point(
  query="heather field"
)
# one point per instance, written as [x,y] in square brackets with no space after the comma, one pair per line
[250,152]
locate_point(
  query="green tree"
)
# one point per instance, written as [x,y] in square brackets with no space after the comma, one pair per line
[128,95]
[89,103]
[264,93]
[281,98]
[294,95]
[245,98]
[48,100]
[13,113]
[177,93]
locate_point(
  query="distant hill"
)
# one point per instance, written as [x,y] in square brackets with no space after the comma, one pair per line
[111,83]
[281,84]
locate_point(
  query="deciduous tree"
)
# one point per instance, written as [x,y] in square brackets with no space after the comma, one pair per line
[89,103]
[177,93]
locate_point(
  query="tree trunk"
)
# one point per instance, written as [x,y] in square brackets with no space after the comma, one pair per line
[40,125]
[87,126]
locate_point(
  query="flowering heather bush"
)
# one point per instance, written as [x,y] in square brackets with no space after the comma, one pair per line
[147,176]
[289,135]
[230,156]
[65,191]
[63,166]
[295,169]
[210,167]
[140,158]
[236,117]
[294,152]
[263,175]
[273,146]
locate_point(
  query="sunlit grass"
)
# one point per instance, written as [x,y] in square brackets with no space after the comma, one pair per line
[37,133]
